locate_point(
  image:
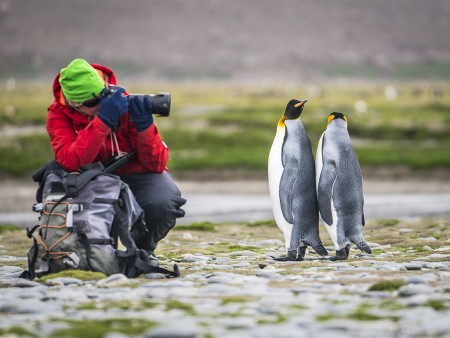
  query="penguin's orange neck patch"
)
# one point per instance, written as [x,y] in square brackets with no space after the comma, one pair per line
[281,122]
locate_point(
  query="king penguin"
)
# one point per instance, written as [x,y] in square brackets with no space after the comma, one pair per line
[292,186]
[340,188]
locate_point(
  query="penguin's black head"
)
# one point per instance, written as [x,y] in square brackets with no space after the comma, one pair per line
[336,115]
[294,109]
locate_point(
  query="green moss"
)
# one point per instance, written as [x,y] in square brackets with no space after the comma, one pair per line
[392,305]
[270,223]
[237,247]
[98,328]
[386,285]
[326,317]
[362,315]
[279,318]
[437,305]
[79,274]
[16,331]
[298,307]
[176,304]
[235,299]
[196,226]
[388,222]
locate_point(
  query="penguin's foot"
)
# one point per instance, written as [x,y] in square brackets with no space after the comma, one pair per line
[291,256]
[301,253]
[341,254]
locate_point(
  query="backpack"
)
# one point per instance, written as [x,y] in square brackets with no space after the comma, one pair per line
[82,219]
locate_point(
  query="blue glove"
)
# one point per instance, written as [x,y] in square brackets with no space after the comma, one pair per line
[141,112]
[112,107]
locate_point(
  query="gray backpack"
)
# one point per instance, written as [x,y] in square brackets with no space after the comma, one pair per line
[82,219]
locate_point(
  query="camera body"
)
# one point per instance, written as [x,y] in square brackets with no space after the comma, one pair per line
[160,101]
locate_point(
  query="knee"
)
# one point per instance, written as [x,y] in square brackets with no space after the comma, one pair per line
[157,208]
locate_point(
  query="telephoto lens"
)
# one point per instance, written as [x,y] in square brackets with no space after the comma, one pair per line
[160,101]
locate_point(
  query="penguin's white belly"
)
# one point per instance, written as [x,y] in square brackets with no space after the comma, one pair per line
[275,171]
[332,228]
[319,161]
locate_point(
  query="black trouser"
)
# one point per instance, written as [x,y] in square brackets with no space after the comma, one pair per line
[161,200]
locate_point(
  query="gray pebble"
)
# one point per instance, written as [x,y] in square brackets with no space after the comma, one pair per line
[154,276]
[412,266]
[63,281]
[415,280]
[113,281]
[414,289]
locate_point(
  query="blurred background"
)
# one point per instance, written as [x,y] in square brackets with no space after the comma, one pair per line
[232,66]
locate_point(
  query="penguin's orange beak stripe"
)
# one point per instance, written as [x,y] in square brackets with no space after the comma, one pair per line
[299,104]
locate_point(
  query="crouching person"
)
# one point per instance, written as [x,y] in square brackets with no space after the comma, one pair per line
[88,123]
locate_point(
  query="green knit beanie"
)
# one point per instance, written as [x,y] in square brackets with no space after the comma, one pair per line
[80,81]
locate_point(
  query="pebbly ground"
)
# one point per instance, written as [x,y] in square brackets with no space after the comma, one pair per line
[232,287]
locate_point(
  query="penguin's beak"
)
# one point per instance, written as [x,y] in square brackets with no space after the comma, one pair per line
[301,103]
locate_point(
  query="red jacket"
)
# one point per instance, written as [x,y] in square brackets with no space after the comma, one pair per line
[78,139]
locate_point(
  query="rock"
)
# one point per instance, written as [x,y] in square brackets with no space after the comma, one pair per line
[63,281]
[412,266]
[427,239]
[189,258]
[113,281]
[415,280]
[414,289]
[242,253]
[172,332]
[154,276]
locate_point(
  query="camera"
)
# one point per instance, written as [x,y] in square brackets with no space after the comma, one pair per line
[160,101]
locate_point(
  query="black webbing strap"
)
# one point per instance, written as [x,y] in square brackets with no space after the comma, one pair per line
[100,241]
[30,274]
[121,223]
[146,267]
[75,182]
[85,241]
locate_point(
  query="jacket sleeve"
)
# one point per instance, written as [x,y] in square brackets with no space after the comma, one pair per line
[74,149]
[152,153]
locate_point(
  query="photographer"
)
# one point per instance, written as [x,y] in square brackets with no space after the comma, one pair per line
[89,123]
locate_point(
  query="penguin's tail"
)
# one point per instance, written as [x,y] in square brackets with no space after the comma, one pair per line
[318,248]
[361,244]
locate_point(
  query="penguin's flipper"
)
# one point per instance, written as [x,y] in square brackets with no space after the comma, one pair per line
[287,181]
[325,191]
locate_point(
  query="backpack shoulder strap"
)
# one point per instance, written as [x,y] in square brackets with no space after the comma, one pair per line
[74,182]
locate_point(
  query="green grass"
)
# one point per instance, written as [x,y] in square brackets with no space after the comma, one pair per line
[229,127]
[7,228]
